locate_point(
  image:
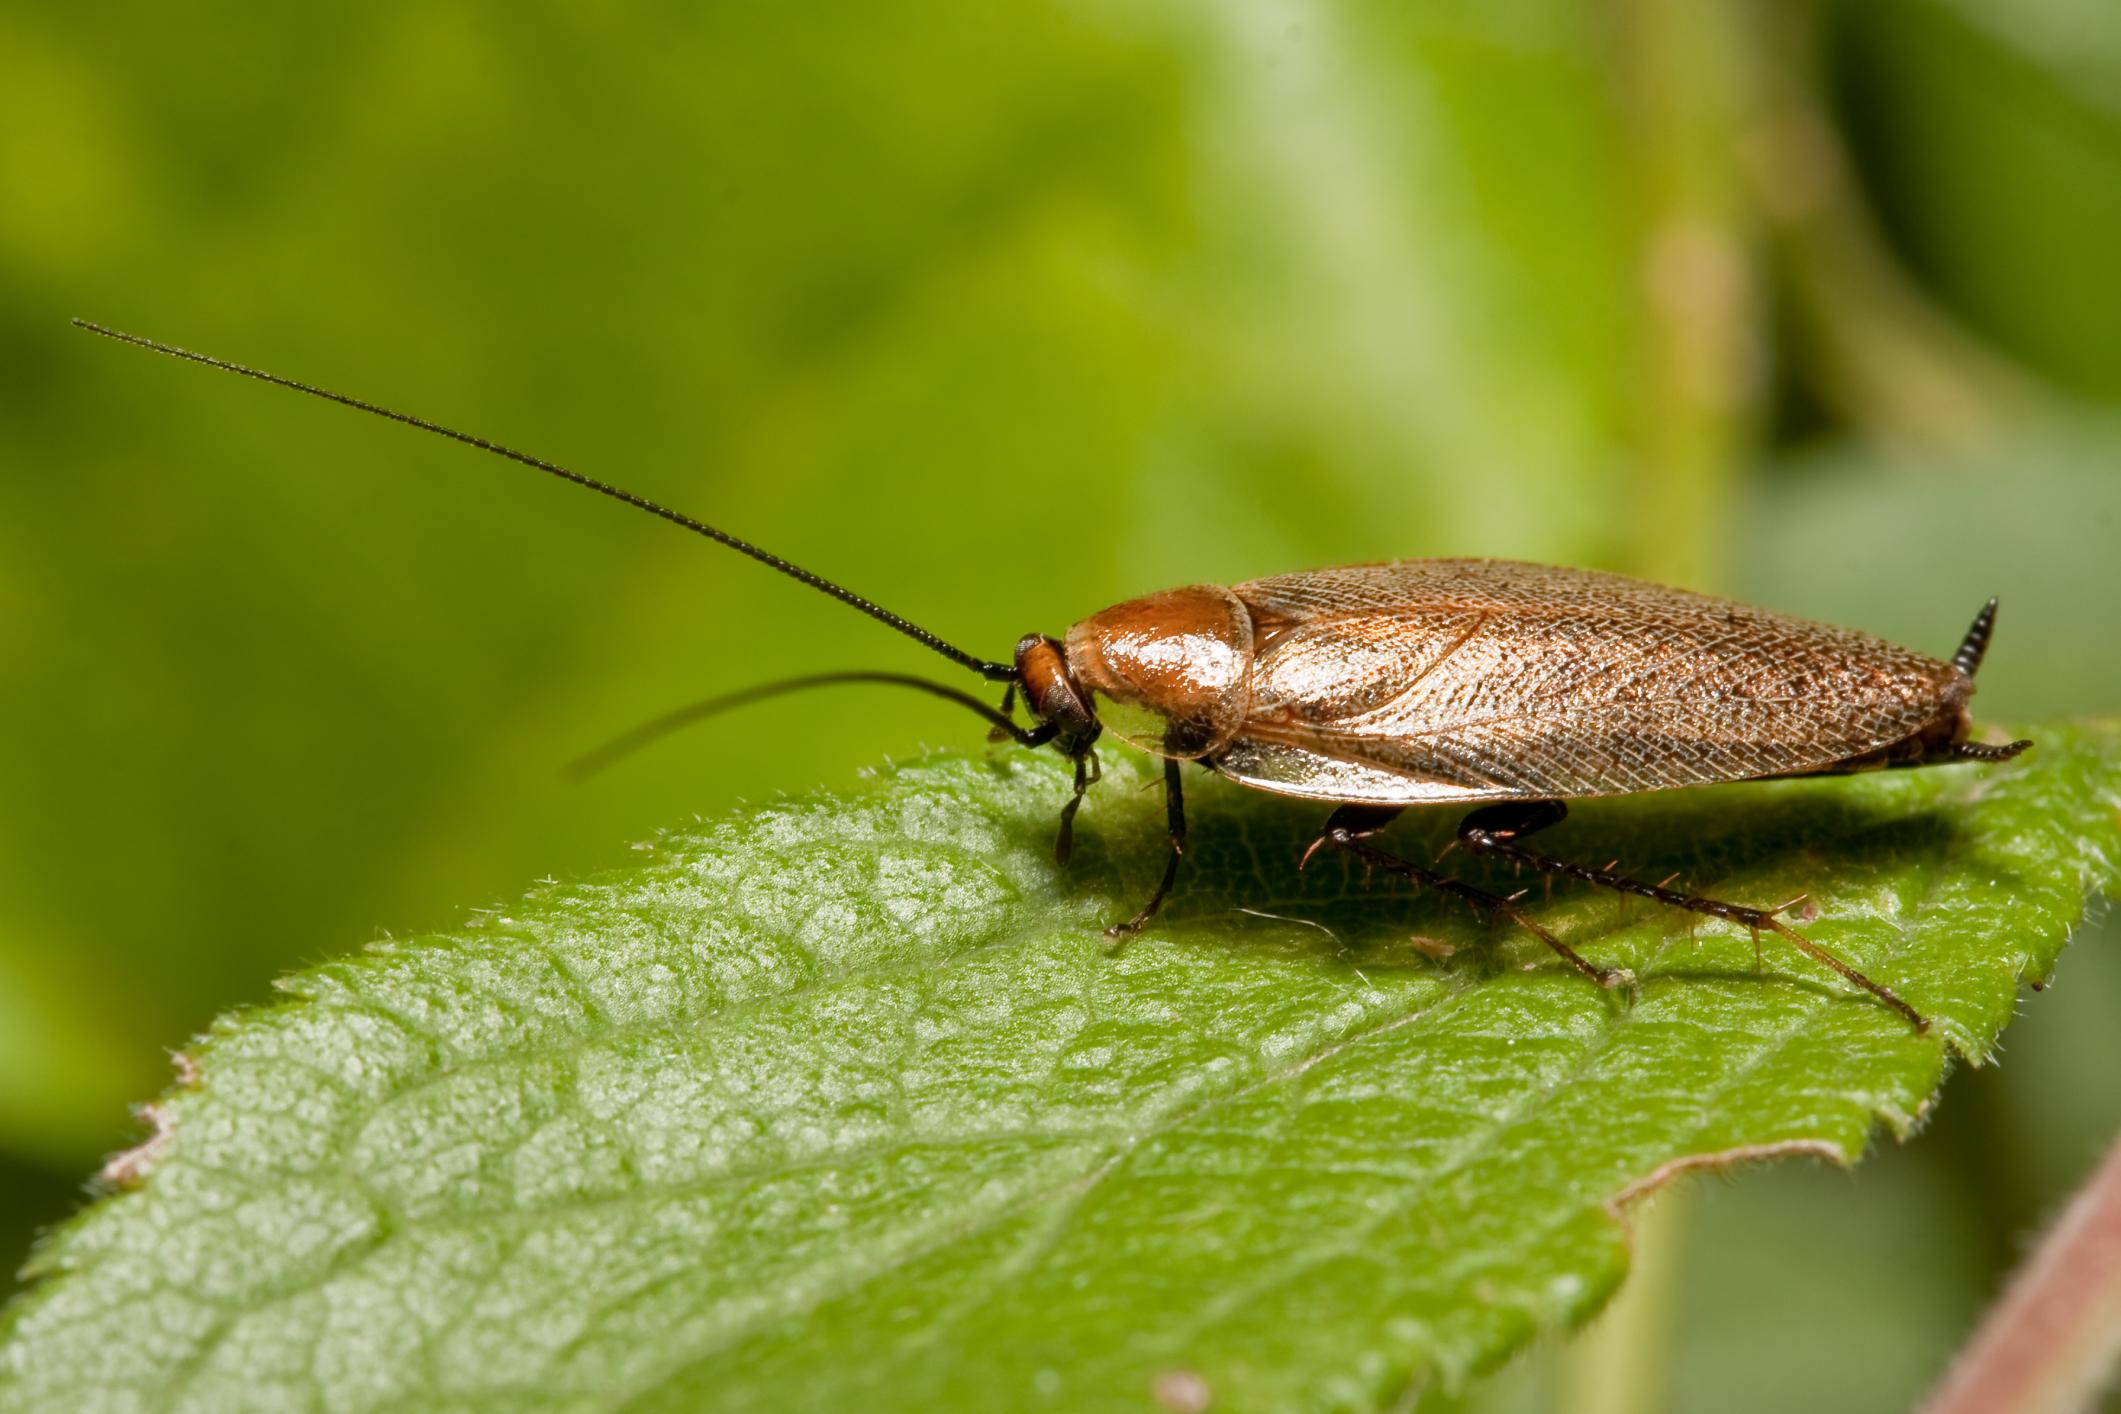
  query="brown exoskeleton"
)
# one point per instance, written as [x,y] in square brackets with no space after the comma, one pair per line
[1510,687]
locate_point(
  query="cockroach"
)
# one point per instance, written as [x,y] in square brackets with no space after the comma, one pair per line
[1512,688]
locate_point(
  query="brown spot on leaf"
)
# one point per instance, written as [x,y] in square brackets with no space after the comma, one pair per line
[127,1169]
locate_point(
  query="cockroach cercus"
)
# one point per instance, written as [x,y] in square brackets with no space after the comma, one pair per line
[1509,687]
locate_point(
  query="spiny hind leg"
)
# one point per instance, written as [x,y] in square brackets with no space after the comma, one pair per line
[1498,830]
[1349,830]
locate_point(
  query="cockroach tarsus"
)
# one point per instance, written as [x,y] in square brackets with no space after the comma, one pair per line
[1510,688]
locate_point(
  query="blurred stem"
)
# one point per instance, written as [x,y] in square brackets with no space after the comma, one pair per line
[1681,90]
[1682,85]
[2053,1341]
[1873,346]
[1618,1365]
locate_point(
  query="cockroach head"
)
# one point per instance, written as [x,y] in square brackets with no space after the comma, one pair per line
[1052,694]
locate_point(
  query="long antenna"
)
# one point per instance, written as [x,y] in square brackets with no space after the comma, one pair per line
[992,671]
[650,732]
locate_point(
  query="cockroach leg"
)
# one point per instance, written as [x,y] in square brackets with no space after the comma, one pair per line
[1349,830]
[1087,774]
[1359,822]
[1496,830]
[1175,821]
[1000,731]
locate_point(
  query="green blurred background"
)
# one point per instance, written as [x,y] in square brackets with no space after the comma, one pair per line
[1000,312]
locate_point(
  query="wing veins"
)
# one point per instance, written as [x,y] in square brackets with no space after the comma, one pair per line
[1554,714]
[1480,621]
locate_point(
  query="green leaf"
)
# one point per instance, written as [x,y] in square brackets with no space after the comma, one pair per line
[845,1103]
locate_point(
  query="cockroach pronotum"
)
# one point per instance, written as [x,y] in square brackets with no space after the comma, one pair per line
[1510,687]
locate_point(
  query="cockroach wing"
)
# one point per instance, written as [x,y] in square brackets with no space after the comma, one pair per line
[1462,680]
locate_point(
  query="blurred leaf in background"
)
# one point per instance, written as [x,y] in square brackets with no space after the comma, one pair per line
[998,314]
